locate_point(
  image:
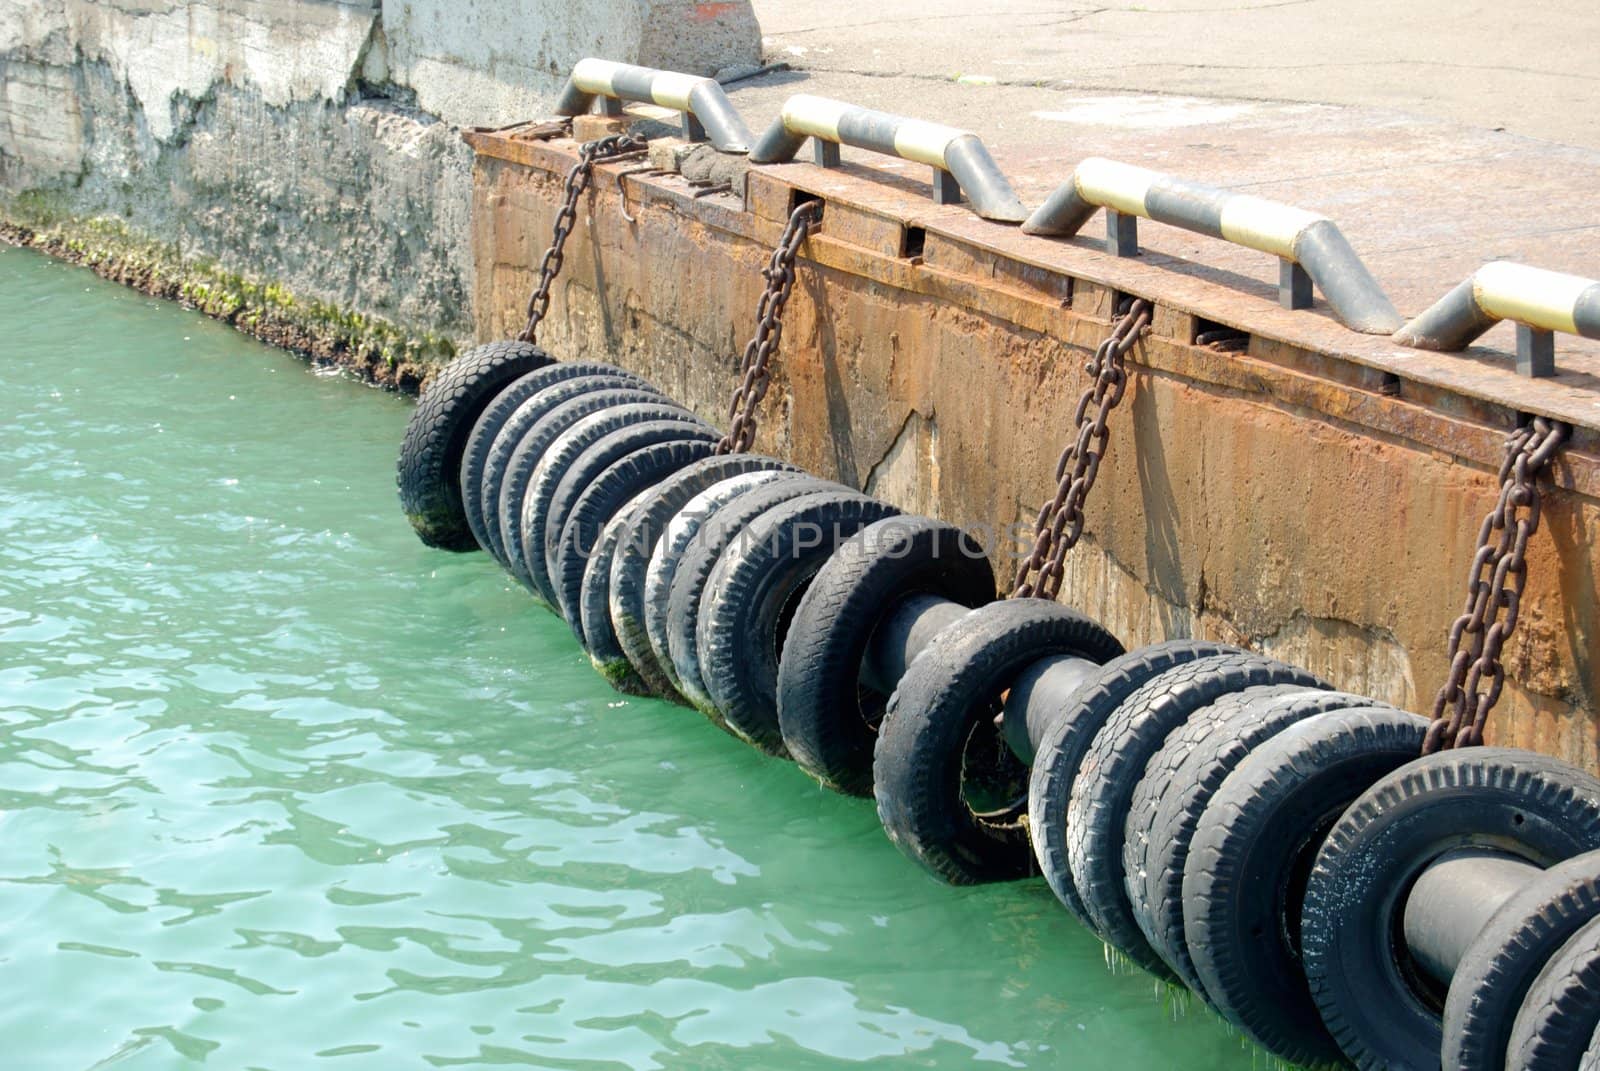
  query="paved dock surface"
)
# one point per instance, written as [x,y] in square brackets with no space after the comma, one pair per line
[1423,193]
[1529,68]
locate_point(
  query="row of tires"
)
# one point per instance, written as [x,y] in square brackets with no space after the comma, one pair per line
[1222,819]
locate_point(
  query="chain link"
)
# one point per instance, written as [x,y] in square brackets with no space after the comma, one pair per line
[566,217]
[1494,591]
[1060,522]
[755,375]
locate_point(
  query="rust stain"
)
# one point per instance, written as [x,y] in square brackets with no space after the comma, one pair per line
[709,12]
[1287,497]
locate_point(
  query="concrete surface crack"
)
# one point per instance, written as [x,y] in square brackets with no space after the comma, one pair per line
[905,19]
[1366,64]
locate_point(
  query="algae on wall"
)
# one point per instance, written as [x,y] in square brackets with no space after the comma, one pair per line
[232,153]
[376,349]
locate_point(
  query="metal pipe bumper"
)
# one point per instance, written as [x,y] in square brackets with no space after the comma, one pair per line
[909,628]
[701,98]
[1453,899]
[1304,239]
[1037,697]
[952,153]
[1539,301]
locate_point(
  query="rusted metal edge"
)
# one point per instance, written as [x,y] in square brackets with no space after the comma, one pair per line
[1422,414]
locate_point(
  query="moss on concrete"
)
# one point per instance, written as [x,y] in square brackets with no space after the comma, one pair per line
[619,673]
[373,348]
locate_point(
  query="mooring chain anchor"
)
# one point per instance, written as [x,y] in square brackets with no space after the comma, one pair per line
[755,374]
[567,216]
[1494,591]
[1060,521]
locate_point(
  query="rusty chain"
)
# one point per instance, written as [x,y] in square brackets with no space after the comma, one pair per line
[566,217]
[1494,591]
[755,374]
[1060,522]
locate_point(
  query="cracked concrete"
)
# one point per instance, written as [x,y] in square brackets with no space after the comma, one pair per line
[1532,69]
[314,145]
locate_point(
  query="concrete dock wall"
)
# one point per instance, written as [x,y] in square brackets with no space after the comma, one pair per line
[311,144]
[1307,506]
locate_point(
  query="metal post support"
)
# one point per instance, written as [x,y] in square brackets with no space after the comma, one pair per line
[946,190]
[694,131]
[1453,899]
[1294,285]
[827,152]
[1536,352]
[1122,234]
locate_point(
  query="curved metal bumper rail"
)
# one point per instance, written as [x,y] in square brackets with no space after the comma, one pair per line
[958,158]
[1540,302]
[1309,247]
[708,114]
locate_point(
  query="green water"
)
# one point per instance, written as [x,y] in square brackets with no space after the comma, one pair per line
[281,788]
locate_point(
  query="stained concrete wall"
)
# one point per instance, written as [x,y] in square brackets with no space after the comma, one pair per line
[1267,499]
[313,144]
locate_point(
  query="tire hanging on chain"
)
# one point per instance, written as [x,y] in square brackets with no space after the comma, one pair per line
[755,374]
[1494,591]
[577,181]
[1060,522]
[429,468]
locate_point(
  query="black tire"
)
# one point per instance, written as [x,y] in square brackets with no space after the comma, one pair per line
[829,719]
[527,449]
[749,597]
[1097,817]
[679,536]
[575,482]
[940,725]
[578,552]
[718,532]
[599,639]
[494,416]
[1243,881]
[1558,1028]
[509,437]
[1499,967]
[1061,751]
[624,586]
[1178,784]
[522,520]
[1370,994]
[429,468]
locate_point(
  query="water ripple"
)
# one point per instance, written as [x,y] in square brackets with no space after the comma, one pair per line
[281,788]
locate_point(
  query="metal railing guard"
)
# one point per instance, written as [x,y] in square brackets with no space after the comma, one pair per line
[1540,302]
[959,159]
[1310,248]
[708,114]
